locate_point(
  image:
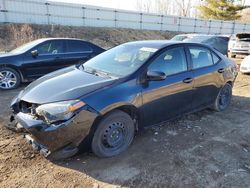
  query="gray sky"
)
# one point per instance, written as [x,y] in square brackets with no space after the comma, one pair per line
[118,4]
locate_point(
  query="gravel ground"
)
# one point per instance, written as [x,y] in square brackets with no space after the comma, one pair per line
[204,149]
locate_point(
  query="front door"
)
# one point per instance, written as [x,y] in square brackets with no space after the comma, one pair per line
[50,57]
[166,99]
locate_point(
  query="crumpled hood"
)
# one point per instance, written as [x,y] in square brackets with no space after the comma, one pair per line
[65,84]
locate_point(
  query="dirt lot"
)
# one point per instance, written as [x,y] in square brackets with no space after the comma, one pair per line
[205,149]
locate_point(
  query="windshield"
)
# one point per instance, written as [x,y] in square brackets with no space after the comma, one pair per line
[26,47]
[179,37]
[197,38]
[121,60]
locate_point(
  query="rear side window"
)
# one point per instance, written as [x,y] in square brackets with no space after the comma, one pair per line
[170,62]
[78,46]
[201,57]
[216,59]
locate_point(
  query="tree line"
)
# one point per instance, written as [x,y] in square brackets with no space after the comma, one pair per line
[207,9]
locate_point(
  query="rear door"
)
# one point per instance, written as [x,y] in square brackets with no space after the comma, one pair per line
[208,77]
[171,97]
[78,51]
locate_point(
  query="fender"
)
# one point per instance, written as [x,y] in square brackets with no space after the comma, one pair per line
[129,108]
[116,106]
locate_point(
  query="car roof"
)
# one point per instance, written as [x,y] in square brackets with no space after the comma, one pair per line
[196,34]
[47,39]
[200,34]
[159,44]
[154,43]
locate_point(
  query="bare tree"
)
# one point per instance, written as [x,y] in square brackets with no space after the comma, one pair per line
[166,7]
[162,7]
[184,7]
[243,2]
[144,6]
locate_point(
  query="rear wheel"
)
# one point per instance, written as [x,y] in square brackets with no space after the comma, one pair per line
[9,78]
[113,135]
[223,99]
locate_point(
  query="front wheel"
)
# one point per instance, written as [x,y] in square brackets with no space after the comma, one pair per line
[113,135]
[9,78]
[224,97]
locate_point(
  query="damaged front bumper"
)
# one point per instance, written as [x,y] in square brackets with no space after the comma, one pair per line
[60,139]
[37,146]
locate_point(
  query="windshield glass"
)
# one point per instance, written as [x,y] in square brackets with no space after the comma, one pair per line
[121,60]
[179,37]
[26,47]
[197,38]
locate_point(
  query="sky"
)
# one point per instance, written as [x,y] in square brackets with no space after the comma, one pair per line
[118,4]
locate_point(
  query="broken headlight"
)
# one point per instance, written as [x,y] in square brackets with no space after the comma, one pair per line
[59,111]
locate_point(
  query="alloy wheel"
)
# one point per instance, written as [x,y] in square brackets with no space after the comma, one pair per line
[8,79]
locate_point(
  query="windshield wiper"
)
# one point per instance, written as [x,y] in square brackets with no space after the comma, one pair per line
[107,74]
[97,72]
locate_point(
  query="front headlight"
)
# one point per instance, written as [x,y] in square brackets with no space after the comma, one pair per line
[59,111]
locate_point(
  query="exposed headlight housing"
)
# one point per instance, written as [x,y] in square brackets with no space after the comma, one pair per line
[59,111]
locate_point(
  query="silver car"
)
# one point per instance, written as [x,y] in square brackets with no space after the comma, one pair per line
[239,44]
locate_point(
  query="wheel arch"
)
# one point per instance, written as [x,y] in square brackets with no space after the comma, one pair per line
[14,68]
[230,83]
[130,109]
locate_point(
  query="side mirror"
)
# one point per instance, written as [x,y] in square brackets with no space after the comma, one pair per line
[156,75]
[34,53]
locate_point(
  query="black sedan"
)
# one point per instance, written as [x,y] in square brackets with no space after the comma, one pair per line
[121,91]
[37,58]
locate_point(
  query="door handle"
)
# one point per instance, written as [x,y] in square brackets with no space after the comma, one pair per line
[221,70]
[188,80]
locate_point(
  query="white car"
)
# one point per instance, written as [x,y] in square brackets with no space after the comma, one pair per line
[245,65]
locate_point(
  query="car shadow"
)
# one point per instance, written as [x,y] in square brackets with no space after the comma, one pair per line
[192,150]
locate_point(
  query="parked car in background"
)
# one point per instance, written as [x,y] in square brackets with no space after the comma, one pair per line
[245,65]
[239,44]
[121,91]
[182,37]
[37,58]
[231,44]
[219,42]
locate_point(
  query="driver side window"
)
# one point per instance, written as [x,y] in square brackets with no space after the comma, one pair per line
[170,62]
[50,47]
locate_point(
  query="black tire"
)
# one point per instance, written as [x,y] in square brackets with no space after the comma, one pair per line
[114,134]
[15,78]
[223,98]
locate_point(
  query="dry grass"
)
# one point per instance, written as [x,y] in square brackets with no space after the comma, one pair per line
[13,35]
